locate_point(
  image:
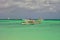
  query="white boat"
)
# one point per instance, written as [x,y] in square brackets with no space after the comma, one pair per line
[28,21]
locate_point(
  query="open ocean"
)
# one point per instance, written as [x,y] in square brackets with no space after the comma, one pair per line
[14,30]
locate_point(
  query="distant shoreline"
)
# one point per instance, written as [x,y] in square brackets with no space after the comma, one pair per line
[33,19]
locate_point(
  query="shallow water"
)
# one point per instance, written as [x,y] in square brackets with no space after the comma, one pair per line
[14,30]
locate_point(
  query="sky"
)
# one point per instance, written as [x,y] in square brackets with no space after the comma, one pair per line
[46,9]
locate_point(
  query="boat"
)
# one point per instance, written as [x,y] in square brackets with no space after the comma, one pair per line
[31,21]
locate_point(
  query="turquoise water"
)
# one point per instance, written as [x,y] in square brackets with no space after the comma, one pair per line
[14,30]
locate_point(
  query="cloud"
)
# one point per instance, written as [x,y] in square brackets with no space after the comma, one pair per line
[47,5]
[37,4]
[29,8]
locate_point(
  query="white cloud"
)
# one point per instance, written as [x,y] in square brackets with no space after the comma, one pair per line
[6,3]
[35,4]
[30,4]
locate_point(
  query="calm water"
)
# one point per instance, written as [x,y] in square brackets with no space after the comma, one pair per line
[14,30]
